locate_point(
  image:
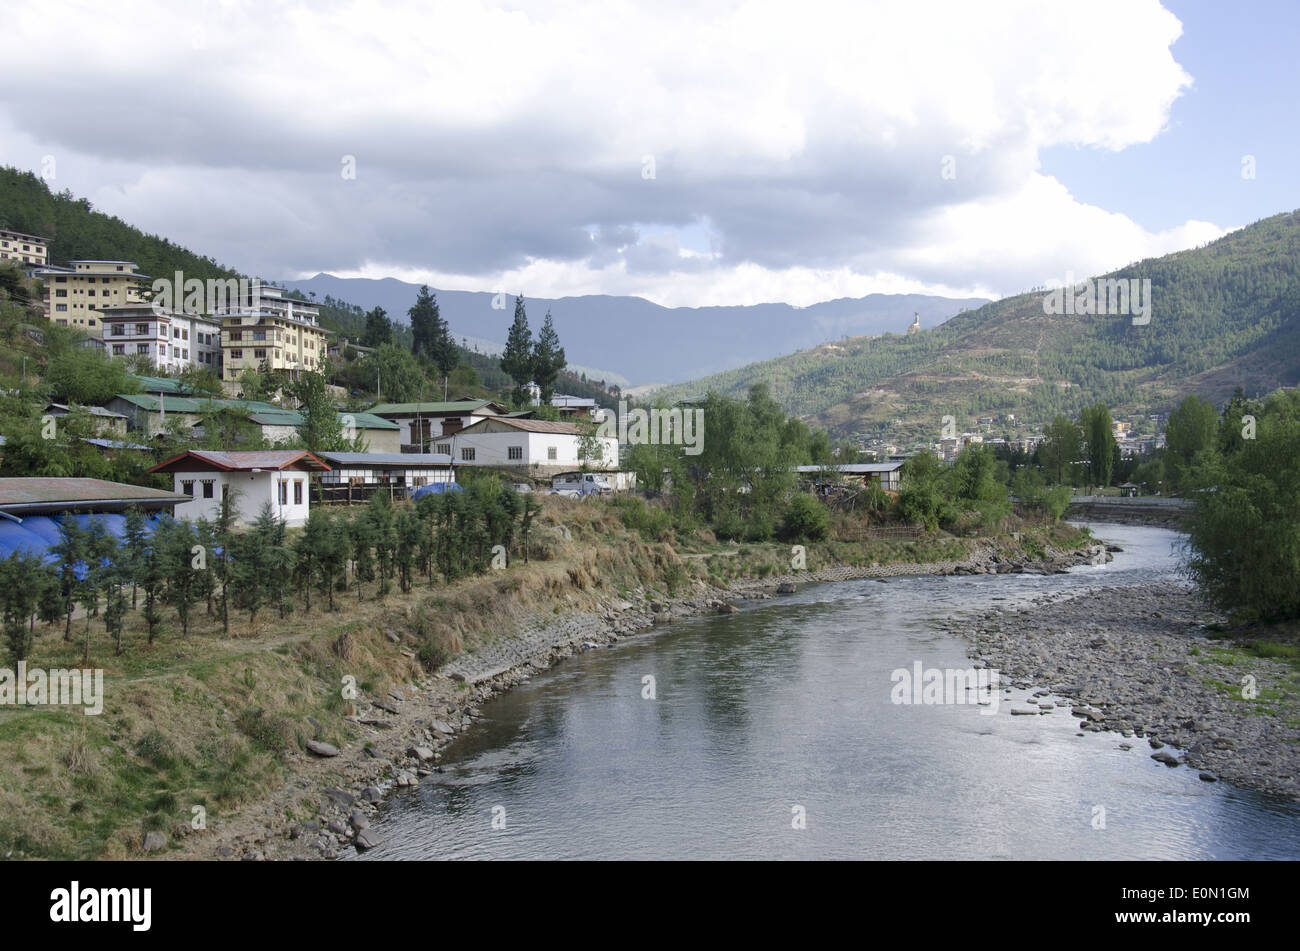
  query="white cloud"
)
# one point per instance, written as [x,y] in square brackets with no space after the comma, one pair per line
[489,139]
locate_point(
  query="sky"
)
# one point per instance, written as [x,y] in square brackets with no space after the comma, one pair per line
[691,153]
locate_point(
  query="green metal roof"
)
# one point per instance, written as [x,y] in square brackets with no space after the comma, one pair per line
[189,404]
[455,406]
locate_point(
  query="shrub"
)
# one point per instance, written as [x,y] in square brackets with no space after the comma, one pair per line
[806,519]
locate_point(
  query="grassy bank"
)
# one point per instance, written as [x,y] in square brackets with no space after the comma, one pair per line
[209,723]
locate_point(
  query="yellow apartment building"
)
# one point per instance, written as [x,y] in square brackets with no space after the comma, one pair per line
[76,295]
[27,248]
[270,330]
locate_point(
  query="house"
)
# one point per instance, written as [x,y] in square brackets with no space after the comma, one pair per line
[148,413]
[571,407]
[538,445]
[106,421]
[281,425]
[424,425]
[887,475]
[355,476]
[277,477]
[32,508]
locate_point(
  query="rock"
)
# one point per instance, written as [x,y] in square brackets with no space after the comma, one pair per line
[153,841]
[1126,746]
[377,723]
[1166,757]
[1024,712]
[337,827]
[441,726]
[345,799]
[1207,778]
[786,587]
[366,840]
[390,706]
[1155,744]
[422,753]
[315,725]
[358,820]
[726,608]
[321,748]
[372,794]
[253,857]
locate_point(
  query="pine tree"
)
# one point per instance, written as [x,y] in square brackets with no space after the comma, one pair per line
[442,349]
[517,358]
[424,316]
[548,359]
[379,329]
[70,552]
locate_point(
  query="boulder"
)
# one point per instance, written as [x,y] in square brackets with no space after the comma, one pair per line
[321,748]
[153,841]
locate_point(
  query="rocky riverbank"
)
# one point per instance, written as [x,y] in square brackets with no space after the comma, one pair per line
[334,792]
[1150,663]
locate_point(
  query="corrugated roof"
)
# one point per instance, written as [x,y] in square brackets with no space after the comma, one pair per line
[411,459]
[293,417]
[16,494]
[529,425]
[855,468]
[93,410]
[197,460]
[405,409]
[187,404]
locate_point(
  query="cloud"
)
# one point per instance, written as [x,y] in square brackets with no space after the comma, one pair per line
[496,145]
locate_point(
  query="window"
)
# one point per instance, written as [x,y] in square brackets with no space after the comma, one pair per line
[467,455]
[141,348]
[119,330]
[284,493]
[188,487]
[141,329]
[236,335]
[119,349]
[207,488]
[514,452]
[551,453]
[259,354]
[297,491]
[444,448]
[236,355]
[61,292]
[60,307]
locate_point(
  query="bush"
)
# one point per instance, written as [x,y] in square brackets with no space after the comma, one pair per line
[806,519]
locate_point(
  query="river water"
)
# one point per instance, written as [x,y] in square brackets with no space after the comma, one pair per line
[780,717]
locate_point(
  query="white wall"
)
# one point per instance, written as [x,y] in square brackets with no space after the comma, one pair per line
[493,449]
[255,490]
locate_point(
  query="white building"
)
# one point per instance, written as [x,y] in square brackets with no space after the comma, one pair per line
[172,340]
[428,427]
[27,248]
[535,444]
[279,477]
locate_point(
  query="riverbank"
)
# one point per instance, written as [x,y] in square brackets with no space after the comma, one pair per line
[1161,669]
[327,806]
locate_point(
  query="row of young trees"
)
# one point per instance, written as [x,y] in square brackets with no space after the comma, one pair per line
[182,565]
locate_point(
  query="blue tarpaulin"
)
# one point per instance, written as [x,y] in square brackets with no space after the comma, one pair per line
[436,488]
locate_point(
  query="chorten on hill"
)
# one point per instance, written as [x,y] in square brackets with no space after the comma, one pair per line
[915,325]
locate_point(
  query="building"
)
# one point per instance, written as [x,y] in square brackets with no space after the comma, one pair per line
[425,427]
[379,434]
[267,330]
[148,413]
[107,422]
[171,340]
[574,407]
[355,476]
[537,445]
[75,296]
[887,475]
[278,478]
[27,248]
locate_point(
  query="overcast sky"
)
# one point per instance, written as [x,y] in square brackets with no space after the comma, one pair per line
[687,152]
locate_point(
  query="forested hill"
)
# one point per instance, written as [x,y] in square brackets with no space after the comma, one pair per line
[1224,315]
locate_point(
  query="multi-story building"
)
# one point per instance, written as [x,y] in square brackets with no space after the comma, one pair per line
[268,330]
[76,295]
[27,248]
[171,340]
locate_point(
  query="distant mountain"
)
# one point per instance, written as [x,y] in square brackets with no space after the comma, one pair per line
[1224,315]
[643,342]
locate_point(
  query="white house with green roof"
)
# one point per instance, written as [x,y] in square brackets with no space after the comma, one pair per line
[428,427]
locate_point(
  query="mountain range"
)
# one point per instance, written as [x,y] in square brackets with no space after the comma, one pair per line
[1223,316]
[640,342]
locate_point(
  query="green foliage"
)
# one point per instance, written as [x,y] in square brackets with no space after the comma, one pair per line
[1099,442]
[548,359]
[517,358]
[805,520]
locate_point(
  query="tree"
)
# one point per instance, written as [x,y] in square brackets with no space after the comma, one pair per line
[20,591]
[1060,449]
[70,552]
[424,319]
[1099,439]
[380,513]
[178,544]
[548,359]
[395,373]
[1190,433]
[442,350]
[135,543]
[322,429]
[517,358]
[379,329]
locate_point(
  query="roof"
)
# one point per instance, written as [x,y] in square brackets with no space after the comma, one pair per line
[529,426]
[115,444]
[21,234]
[401,460]
[160,384]
[293,417]
[93,410]
[44,494]
[855,468]
[429,409]
[203,460]
[193,404]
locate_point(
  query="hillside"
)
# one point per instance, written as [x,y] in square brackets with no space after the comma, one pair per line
[645,342]
[1224,315]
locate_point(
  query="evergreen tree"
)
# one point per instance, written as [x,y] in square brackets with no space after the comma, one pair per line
[424,319]
[182,575]
[379,329]
[1099,441]
[517,358]
[20,593]
[70,553]
[548,359]
[322,429]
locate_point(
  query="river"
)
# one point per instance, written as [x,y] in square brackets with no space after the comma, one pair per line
[772,734]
